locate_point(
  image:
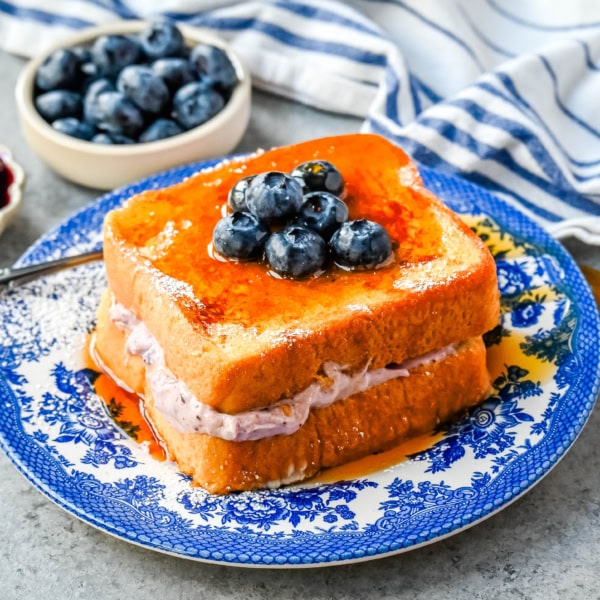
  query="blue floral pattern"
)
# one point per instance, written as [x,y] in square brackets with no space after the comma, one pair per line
[527,313]
[407,499]
[63,439]
[78,419]
[489,430]
[327,506]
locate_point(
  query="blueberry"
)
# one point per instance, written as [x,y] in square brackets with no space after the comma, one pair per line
[90,71]
[58,104]
[237,194]
[83,54]
[319,175]
[196,103]
[240,235]
[175,72]
[213,63]
[161,39]
[144,88]
[61,69]
[323,212]
[112,139]
[159,130]
[296,252]
[361,244]
[74,128]
[273,196]
[91,108]
[110,53]
[119,115]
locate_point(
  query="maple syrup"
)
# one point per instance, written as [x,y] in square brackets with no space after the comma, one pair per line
[173,229]
[377,462]
[125,408]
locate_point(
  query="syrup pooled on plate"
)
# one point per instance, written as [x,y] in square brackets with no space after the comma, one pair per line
[125,409]
[377,462]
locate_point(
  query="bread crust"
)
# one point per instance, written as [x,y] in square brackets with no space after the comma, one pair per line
[241,339]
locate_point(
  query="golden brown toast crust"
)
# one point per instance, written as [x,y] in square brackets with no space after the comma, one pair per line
[241,338]
[349,429]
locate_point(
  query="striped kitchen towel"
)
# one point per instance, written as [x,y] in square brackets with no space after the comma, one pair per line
[503,93]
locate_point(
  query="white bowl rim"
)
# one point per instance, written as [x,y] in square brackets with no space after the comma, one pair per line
[25,81]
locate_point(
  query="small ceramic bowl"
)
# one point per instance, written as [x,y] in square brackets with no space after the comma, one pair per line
[15,188]
[109,166]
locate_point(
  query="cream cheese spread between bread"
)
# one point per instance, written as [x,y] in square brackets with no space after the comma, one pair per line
[182,409]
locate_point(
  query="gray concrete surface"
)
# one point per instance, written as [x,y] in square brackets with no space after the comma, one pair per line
[546,545]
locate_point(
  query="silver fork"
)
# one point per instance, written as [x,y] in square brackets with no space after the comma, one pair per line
[10,275]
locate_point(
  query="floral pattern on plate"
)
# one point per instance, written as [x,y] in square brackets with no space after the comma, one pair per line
[59,434]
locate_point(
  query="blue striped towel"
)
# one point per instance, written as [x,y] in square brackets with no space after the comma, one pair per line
[503,93]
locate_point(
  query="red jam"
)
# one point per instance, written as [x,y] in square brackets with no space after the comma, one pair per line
[6,179]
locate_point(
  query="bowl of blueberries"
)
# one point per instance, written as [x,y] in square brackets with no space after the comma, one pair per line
[119,102]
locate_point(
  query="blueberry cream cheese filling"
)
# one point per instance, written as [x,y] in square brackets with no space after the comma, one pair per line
[182,409]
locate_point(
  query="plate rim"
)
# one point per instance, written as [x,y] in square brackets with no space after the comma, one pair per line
[543,239]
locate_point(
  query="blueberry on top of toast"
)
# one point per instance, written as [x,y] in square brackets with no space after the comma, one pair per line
[323,212]
[361,243]
[319,176]
[240,235]
[236,200]
[273,196]
[296,251]
[314,219]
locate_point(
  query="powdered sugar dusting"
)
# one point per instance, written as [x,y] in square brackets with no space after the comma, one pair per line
[178,290]
[409,177]
[157,246]
[233,160]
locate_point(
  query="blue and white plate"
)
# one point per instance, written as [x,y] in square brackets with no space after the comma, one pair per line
[57,433]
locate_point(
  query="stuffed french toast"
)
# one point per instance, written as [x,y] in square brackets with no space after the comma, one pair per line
[265,358]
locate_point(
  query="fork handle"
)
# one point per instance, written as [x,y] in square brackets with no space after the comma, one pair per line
[10,275]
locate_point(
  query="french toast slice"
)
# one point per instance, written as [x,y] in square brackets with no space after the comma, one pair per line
[351,428]
[242,339]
